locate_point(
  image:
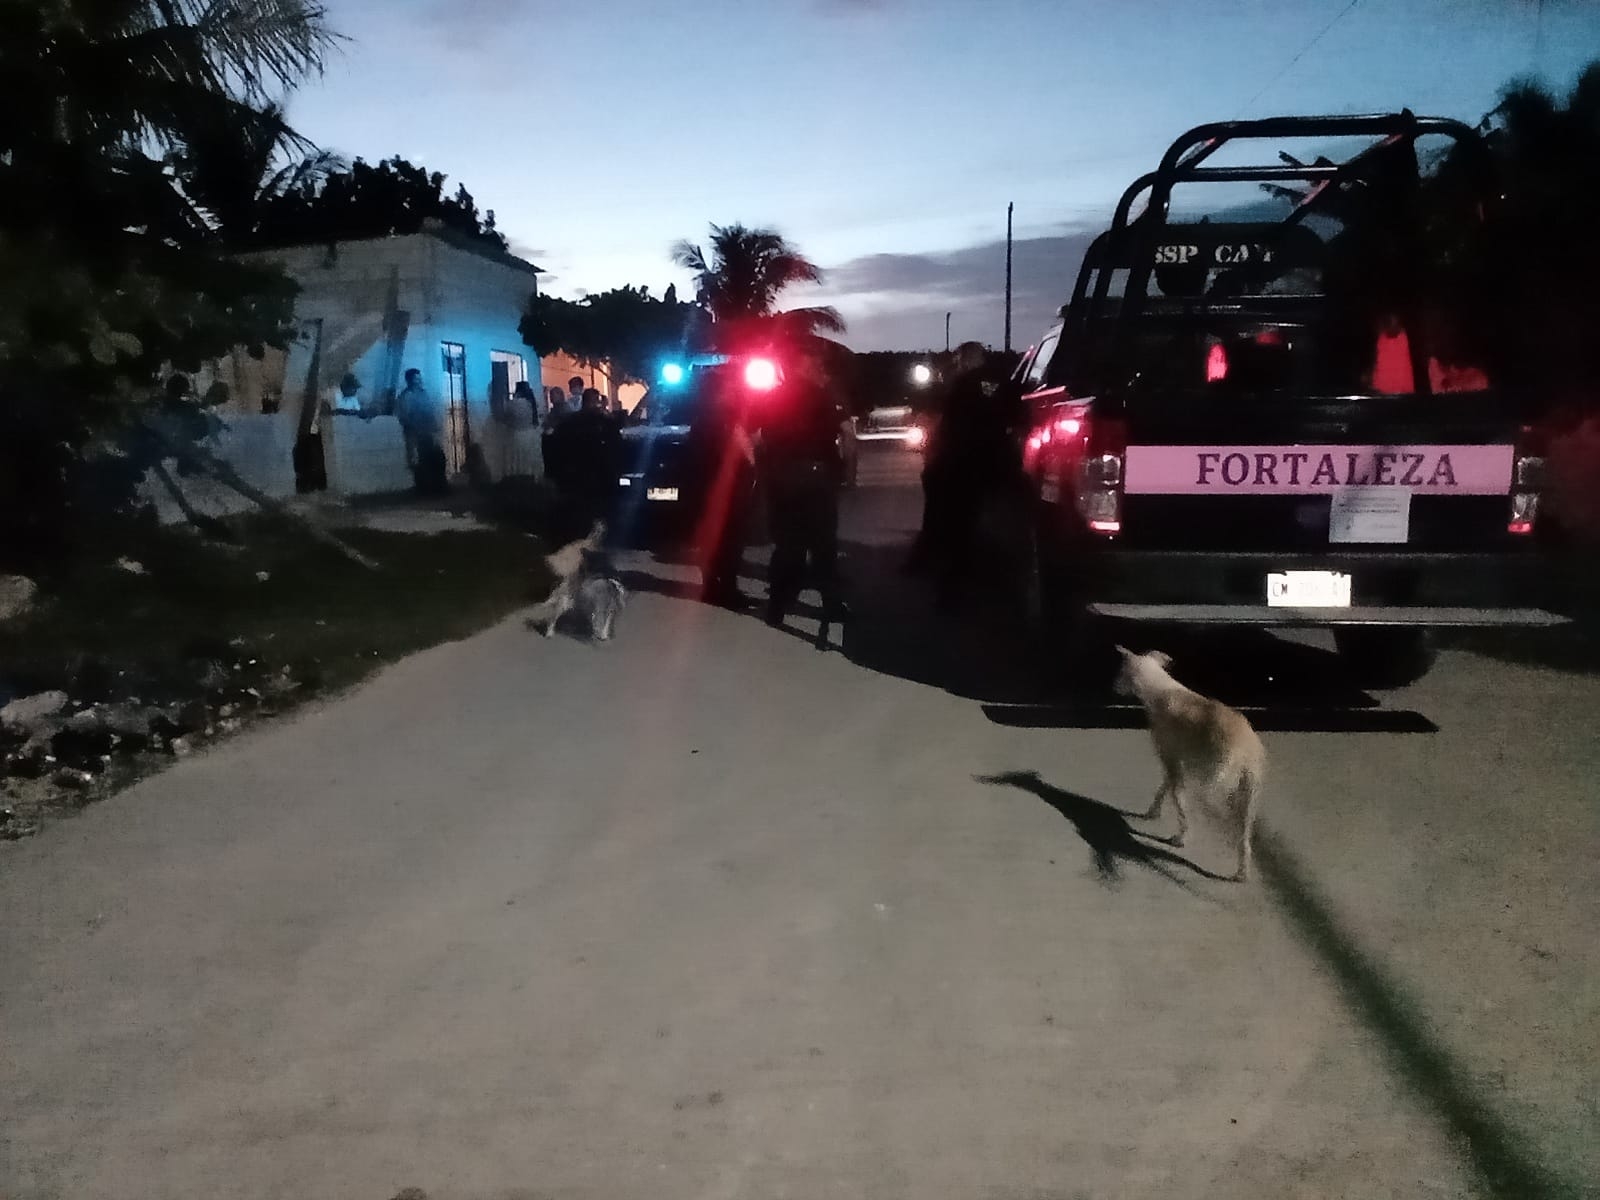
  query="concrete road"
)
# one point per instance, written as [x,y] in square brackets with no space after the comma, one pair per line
[709,913]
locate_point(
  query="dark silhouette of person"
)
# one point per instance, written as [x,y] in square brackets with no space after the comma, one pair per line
[803,472]
[970,462]
[587,449]
[722,462]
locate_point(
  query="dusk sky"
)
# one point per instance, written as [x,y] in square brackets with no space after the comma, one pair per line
[883,137]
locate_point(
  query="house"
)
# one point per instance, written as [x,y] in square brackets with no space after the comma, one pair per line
[368,311]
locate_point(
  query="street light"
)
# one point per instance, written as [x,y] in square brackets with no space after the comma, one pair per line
[922,374]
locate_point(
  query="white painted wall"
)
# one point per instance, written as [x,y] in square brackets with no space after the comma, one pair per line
[364,456]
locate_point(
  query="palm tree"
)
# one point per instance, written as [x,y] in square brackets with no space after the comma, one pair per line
[740,281]
[94,92]
[117,75]
[233,173]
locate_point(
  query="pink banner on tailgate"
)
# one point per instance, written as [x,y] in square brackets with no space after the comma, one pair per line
[1313,470]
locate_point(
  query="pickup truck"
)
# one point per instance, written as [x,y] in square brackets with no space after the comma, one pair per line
[1221,435]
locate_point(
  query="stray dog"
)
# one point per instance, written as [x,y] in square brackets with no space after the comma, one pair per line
[585,583]
[1208,751]
[600,599]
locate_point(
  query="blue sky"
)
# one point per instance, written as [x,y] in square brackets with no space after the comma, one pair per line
[884,137]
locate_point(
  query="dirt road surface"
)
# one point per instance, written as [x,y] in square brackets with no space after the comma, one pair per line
[710,913]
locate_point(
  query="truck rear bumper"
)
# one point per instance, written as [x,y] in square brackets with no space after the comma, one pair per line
[1387,588]
[1263,615]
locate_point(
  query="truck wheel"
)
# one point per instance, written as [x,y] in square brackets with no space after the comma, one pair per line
[1385,657]
[1076,645]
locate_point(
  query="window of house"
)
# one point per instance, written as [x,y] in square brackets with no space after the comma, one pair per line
[506,370]
[516,367]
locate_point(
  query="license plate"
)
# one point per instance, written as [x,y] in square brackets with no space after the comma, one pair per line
[661,494]
[1308,589]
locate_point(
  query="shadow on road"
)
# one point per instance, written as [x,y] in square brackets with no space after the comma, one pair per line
[985,652]
[1105,830]
[1494,1147]
[1574,649]
[985,649]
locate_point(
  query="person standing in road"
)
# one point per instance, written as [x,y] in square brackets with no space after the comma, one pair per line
[800,458]
[723,458]
[969,464]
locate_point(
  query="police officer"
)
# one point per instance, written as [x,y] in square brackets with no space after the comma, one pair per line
[723,459]
[968,465]
[803,472]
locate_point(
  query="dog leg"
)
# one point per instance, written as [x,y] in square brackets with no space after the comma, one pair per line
[1246,849]
[1183,818]
[1161,798]
[560,603]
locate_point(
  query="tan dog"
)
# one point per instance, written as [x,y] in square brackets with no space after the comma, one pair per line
[1208,751]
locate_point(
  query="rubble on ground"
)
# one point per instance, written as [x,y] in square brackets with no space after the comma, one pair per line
[62,748]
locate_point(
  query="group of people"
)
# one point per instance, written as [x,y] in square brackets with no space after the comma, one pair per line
[582,444]
[576,430]
[789,441]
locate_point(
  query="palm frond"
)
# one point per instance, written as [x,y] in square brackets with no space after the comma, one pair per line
[814,319]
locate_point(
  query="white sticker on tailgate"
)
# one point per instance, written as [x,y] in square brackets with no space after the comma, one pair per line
[1370,514]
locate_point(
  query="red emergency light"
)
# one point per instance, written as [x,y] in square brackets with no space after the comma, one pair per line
[761,374]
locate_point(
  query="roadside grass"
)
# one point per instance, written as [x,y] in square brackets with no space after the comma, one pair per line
[229,632]
[282,594]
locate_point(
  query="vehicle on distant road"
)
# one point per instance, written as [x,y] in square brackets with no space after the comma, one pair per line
[896,423]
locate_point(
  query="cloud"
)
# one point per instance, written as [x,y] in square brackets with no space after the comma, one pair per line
[898,301]
[471,25]
[523,250]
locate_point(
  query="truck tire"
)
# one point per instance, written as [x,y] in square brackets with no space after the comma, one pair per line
[1382,657]
[1076,649]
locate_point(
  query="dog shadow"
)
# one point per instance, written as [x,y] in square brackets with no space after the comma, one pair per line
[571,624]
[1105,830]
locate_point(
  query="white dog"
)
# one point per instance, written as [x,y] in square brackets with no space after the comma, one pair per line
[1208,751]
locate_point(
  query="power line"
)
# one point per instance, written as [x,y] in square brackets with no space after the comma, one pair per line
[1295,61]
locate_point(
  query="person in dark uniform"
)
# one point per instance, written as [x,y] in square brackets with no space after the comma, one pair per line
[587,455]
[802,467]
[723,459]
[969,464]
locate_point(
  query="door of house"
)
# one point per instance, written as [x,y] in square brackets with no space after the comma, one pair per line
[456,431]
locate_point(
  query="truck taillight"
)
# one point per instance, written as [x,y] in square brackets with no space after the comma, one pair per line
[1524,512]
[1527,479]
[1100,479]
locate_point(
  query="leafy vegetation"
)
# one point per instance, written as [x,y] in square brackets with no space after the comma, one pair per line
[323,201]
[110,272]
[627,327]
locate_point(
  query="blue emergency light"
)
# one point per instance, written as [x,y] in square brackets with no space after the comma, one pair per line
[672,373]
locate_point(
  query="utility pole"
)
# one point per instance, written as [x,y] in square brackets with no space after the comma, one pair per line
[947,333]
[1009,209]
